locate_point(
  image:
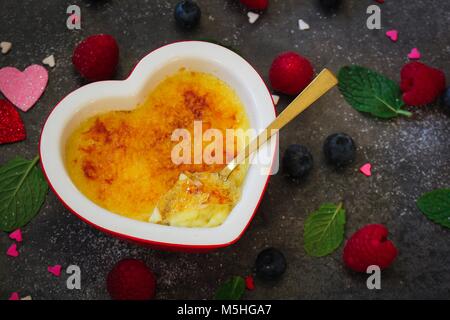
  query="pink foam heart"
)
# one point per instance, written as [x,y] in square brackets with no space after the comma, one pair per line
[414,54]
[14,296]
[393,35]
[23,89]
[12,251]
[366,169]
[55,270]
[16,235]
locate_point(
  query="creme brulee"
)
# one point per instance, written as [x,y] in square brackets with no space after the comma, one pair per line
[121,160]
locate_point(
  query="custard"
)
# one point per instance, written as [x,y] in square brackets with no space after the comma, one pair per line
[122,160]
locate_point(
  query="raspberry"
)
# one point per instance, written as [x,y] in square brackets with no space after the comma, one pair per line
[290,73]
[369,246]
[421,84]
[256,4]
[131,279]
[96,57]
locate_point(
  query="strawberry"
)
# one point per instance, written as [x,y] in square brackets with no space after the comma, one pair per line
[96,57]
[12,128]
[369,246]
[131,279]
[290,73]
[421,84]
[256,4]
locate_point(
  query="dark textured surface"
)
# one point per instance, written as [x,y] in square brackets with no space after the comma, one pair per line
[410,156]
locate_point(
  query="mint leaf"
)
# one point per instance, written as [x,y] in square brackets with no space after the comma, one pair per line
[22,192]
[370,92]
[233,289]
[436,206]
[324,230]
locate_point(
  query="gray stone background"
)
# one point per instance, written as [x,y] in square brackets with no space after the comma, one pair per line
[410,156]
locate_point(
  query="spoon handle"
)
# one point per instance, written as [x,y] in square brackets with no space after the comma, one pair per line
[317,88]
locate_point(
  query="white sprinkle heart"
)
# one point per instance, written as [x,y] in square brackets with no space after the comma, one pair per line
[252,17]
[50,61]
[276,99]
[5,46]
[302,25]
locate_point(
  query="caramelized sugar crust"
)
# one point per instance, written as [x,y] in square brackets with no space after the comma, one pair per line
[121,160]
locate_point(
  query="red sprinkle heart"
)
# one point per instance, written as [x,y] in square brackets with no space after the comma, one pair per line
[55,270]
[16,235]
[249,283]
[14,296]
[11,125]
[366,169]
[393,35]
[414,54]
[12,251]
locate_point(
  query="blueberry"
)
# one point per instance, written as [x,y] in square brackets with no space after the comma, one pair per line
[330,5]
[187,14]
[297,161]
[270,264]
[339,149]
[445,101]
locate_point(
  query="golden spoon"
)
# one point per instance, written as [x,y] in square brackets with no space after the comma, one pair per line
[317,88]
[177,200]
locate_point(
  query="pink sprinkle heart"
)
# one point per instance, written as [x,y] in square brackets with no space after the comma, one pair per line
[12,251]
[393,35]
[16,235]
[414,54]
[14,296]
[55,270]
[23,89]
[366,169]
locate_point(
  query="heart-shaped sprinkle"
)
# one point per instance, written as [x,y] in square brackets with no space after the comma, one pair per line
[12,128]
[302,25]
[50,61]
[55,270]
[393,35]
[252,17]
[414,54]
[275,99]
[12,251]
[249,283]
[366,169]
[16,235]
[5,46]
[23,89]
[14,296]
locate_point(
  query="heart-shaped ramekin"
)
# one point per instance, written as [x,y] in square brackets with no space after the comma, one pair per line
[103,96]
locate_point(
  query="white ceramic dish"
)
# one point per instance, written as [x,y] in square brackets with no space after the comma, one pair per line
[103,96]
